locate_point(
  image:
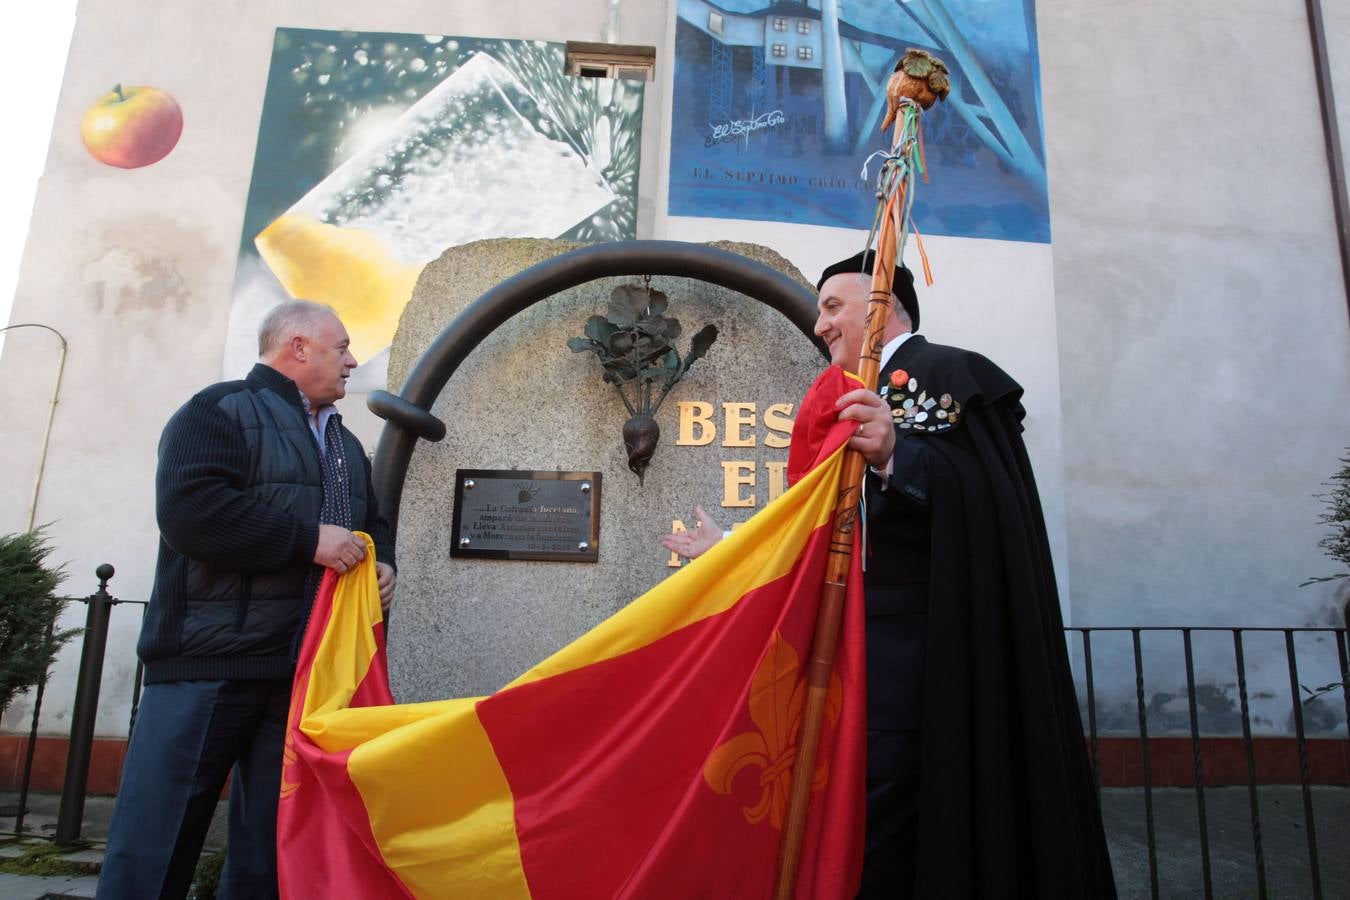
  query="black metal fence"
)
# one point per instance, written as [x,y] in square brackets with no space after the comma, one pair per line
[88,686]
[1299,695]
[100,604]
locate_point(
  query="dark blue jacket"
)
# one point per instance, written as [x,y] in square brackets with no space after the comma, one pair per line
[238,493]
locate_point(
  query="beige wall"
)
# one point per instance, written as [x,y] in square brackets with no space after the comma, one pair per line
[1184,340]
[1203,342]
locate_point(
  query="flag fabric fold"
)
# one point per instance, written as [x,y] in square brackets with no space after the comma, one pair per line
[651,757]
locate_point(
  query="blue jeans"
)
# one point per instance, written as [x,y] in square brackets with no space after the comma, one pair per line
[188,737]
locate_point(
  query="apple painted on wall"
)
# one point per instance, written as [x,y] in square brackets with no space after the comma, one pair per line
[132,127]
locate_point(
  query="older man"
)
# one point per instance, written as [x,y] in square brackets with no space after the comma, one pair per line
[259,487]
[977,777]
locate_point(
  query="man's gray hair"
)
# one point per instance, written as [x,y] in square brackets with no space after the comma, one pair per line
[285,320]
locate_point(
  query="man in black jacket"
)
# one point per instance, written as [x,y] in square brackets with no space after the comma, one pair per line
[977,777]
[259,487]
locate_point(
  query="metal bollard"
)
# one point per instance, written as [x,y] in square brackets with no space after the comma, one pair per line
[71,815]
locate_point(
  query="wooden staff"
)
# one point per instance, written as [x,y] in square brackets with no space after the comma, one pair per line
[923,79]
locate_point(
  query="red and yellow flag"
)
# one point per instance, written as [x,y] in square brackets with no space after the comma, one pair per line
[649,758]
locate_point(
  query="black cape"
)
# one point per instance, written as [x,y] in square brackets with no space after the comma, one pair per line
[1007,803]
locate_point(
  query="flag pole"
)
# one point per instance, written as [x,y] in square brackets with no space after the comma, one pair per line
[918,82]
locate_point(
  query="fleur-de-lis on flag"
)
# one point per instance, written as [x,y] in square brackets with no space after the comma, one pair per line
[777,695]
[289,759]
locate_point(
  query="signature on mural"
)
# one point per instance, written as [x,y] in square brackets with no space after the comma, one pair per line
[736,128]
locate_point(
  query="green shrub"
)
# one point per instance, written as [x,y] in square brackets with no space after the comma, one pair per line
[29,609]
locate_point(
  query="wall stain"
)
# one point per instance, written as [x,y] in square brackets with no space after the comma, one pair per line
[137,266]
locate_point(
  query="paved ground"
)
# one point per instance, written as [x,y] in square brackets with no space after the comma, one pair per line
[41,822]
[42,809]
[1284,841]
[31,887]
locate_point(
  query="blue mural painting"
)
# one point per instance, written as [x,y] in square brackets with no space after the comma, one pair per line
[777,104]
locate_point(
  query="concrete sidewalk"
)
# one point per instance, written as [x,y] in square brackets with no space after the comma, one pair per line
[1284,841]
[1177,842]
[82,862]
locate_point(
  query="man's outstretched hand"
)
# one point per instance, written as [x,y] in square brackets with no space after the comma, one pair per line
[697,541]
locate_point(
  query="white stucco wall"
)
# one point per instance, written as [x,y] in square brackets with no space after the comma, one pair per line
[1184,341]
[1203,343]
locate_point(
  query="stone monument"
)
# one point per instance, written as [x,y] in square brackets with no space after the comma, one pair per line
[524,401]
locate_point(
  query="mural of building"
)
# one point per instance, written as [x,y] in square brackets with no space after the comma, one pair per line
[1184,340]
[809,36]
[797,92]
[795,35]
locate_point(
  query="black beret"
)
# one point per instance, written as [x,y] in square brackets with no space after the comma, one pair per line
[902,286]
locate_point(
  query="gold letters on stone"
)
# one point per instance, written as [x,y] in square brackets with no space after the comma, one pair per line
[745,484]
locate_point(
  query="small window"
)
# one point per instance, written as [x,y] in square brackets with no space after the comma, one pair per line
[803,26]
[780,51]
[805,53]
[779,24]
[715,23]
[587,60]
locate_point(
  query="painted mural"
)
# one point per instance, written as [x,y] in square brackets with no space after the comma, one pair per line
[378,151]
[777,104]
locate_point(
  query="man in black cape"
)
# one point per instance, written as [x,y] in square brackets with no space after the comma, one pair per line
[978,781]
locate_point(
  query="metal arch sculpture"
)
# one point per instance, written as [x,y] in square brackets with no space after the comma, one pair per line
[408,414]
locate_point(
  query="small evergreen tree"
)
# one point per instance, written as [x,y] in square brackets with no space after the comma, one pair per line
[29,608]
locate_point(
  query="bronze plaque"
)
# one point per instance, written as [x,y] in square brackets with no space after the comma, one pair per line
[512,514]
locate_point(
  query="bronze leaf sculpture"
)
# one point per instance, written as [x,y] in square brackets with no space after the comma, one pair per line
[635,344]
